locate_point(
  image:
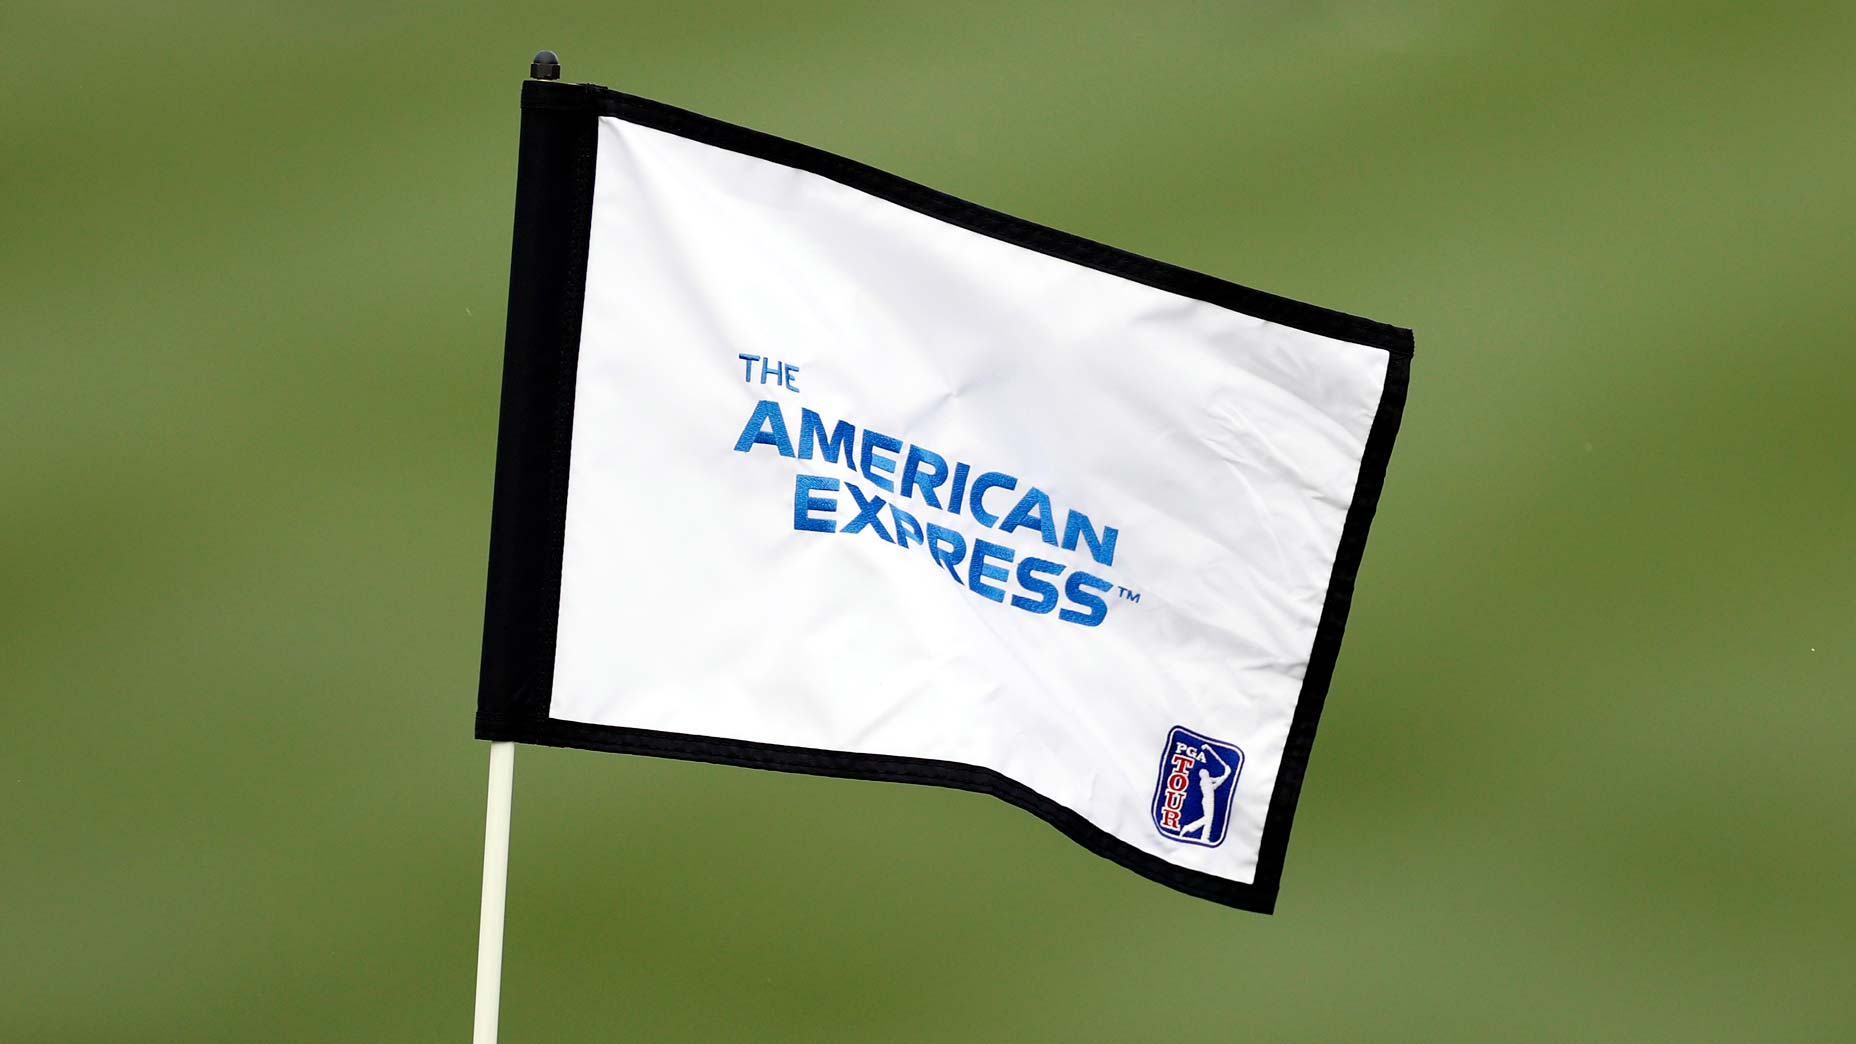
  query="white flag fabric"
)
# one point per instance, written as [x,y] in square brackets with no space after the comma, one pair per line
[806,467]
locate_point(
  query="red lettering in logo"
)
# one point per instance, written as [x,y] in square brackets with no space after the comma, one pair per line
[1176,783]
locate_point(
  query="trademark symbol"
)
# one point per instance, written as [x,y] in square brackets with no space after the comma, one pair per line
[1127,595]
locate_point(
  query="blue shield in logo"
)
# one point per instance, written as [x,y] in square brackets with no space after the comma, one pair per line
[1198,775]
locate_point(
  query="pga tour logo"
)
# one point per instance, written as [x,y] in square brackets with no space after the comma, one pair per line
[1198,774]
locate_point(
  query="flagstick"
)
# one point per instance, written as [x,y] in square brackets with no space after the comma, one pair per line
[495,884]
[545,66]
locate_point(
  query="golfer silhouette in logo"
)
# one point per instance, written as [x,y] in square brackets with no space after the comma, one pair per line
[1208,791]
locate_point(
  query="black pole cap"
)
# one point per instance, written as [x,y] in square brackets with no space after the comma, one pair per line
[546,66]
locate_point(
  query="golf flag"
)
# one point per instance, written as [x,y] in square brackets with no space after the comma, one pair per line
[803,466]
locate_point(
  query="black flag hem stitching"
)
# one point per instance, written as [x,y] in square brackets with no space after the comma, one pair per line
[547,286]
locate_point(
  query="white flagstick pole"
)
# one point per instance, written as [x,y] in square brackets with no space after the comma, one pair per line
[495,883]
[546,66]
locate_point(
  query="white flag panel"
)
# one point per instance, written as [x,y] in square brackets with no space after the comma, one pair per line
[849,477]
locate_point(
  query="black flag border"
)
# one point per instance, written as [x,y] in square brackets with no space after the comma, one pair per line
[554,201]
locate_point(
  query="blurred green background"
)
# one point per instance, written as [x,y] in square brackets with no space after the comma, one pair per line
[1584,773]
